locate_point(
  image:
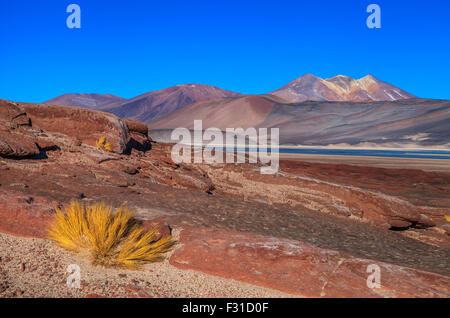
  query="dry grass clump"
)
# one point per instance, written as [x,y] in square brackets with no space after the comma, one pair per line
[102,144]
[112,238]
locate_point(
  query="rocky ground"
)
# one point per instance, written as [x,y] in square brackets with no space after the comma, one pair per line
[31,267]
[309,231]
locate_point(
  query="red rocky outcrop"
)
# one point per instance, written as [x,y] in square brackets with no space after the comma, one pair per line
[15,142]
[27,216]
[139,138]
[12,114]
[17,146]
[298,268]
[86,125]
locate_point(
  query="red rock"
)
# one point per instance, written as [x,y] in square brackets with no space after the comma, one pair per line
[379,195]
[169,162]
[17,146]
[296,267]
[139,139]
[136,126]
[446,228]
[121,166]
[19,216]
[350,279]
[11,112]
[46,144]
[163,227]
[140,142]
[101,157]
[85,124]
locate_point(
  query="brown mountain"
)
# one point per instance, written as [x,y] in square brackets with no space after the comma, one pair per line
[158,103]
[246,111]
[417,121]
[155,104]
[91,101]
[340,88]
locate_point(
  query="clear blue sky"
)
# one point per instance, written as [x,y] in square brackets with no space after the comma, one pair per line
[131,47]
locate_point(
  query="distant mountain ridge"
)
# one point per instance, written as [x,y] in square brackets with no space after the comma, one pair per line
[415,121]
[340,88]
[155,104]
[91,101]
[158,103]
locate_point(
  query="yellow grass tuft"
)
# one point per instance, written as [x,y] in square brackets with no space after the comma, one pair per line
[102,144]
[112,238]
[108,147]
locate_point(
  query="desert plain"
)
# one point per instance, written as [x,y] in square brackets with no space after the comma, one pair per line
[311,230]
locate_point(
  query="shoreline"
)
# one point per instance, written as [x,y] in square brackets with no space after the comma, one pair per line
[356,147]
[426,164]
[406,147]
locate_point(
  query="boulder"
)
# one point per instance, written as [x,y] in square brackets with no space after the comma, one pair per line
[13,114]
[136,126]
[139,142]
[139,135]
[84,124]
[17,146]
[46,144]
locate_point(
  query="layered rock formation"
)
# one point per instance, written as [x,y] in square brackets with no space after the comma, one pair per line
[298,268]
[322,224]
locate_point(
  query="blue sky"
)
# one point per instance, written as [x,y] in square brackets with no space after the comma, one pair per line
[131,47]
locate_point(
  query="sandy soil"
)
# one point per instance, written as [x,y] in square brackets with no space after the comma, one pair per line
[374,146]
[38,268]
[442,165]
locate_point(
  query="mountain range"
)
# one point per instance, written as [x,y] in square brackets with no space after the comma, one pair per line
[340,88]
[147,106]
[91,101]
[413,121]
[159,103]
[154,104]
[308,111]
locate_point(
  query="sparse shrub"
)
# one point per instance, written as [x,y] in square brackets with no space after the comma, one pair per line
[102,144]
[108,147]
[112,238]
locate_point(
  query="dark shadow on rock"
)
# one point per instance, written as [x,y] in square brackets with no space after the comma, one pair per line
[139,146]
